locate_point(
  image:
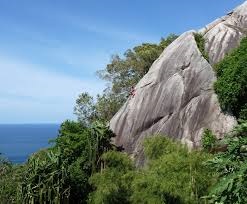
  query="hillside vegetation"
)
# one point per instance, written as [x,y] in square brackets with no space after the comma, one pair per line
[231,86]
[83,166]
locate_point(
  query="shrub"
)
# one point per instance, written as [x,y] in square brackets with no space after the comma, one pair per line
[200,41]
[232,169]
[45,179]
[243,112]
[208,139]
[10,176]
[231,85]
[112,184]
[173,174]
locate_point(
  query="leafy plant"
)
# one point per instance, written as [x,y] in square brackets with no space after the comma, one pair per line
[112,183]
[10,176]
[231,84]
[232,169]
[45,180]
[208,139]
[243,112]
[173,174]
[82,147]
[201,45]
[85,109]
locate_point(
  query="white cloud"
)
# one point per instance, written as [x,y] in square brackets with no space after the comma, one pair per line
[75,58]
[113,32]
[98,26]
[107,30]
[29,92]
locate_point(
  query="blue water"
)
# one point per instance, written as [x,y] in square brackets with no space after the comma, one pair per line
[17,142]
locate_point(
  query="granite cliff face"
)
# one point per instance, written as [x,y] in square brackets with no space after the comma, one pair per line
[225,33]
[176,97]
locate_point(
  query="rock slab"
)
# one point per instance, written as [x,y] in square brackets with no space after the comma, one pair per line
[176,97]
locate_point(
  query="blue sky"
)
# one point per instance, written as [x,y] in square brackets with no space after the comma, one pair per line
[50,50]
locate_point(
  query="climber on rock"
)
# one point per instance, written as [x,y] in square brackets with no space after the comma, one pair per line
[132,92]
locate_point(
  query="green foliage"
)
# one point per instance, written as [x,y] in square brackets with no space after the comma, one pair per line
[232,169]
[243,112]
[108,104]
[82,148]
[201,45]
[74,141]
[173,175]
[10,176]
[61,173]
[208,139]
[156,148]
[45,179]
[85,108]
[112,184]
[231,85]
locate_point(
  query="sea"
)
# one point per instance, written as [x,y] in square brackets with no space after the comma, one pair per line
[19,141]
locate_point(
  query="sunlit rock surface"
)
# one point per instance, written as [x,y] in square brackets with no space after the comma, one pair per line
[225,33]
[176,97]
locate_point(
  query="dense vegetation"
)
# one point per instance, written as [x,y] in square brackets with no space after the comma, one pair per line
[231,166]
[172,175]
[83,166]
[231,86]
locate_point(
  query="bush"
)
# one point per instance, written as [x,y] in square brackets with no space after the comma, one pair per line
[208,140]
[231,85]
[231,167]
[82,149]
[45,179]
[243,112]
[112,184]
[174,176]
[10,176]
[200,41]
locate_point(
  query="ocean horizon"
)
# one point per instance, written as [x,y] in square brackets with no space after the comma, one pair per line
[19,141]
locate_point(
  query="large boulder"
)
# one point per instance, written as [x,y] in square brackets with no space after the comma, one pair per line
[176,97]
[225,33]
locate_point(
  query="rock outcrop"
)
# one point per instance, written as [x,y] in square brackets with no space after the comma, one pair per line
[225,33]
[176,97]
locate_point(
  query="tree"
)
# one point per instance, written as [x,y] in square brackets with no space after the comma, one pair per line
[82,147]
[85,108]
[108,104]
